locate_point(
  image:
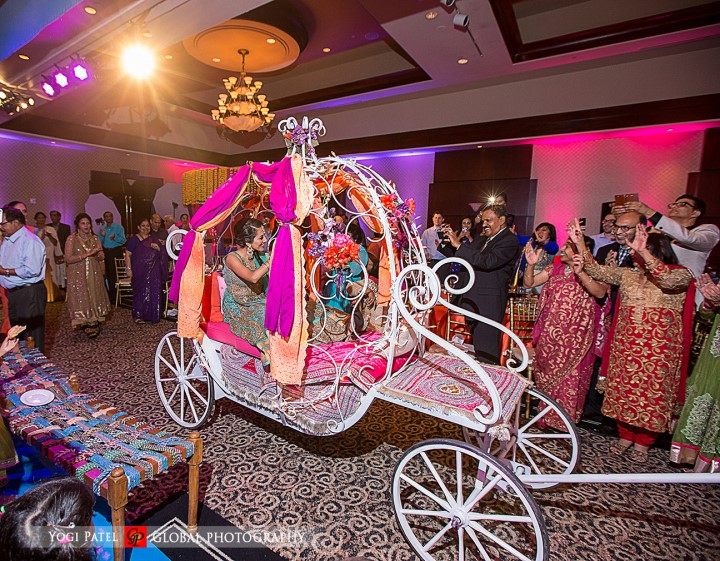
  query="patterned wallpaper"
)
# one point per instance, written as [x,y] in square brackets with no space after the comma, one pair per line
[575,178]
[56,176]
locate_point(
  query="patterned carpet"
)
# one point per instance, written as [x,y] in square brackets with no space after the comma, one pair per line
[338,488]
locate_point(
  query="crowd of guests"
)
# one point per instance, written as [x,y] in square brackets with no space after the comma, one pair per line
[615,317]
[52,261]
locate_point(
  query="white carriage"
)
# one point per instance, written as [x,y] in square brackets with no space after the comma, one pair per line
[453,499]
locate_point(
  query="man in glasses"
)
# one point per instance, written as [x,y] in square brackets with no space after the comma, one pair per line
[616,254]
[692,242]
[22,274]
[606,237]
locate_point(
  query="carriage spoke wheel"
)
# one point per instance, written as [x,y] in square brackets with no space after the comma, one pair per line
[455,502]
[540,448]
[185,388]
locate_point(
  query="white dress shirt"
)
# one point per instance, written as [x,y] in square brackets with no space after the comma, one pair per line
[25,253]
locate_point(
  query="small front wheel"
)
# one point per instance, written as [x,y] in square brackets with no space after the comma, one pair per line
[185,387]
[453,501]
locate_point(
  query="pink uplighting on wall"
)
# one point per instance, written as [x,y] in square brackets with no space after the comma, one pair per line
[660,130]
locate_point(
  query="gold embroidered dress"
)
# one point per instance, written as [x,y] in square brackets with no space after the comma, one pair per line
[646,348]
[87,299]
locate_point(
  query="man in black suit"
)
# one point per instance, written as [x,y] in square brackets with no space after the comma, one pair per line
[616,254]
[63,230]
[492,255]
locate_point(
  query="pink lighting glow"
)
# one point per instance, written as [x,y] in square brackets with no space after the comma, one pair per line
[48,89]
[61,80]
[80,72]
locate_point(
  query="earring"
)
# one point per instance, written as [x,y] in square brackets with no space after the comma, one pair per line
[250,252]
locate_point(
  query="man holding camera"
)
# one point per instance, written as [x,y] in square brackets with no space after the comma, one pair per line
[435,241]
[112,238]
[492,255]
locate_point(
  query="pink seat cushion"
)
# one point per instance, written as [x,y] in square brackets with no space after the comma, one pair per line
[220,331]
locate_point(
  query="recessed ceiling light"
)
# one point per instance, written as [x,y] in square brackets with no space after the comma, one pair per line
[169,57]
[431,15]
[479,146]
[462,61]
[216,59]
[669,130]
[146,34]
[270,40]
[23,57]
[90,10]
[52,142]
[326,50]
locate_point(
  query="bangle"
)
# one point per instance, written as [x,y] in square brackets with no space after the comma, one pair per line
[705,306]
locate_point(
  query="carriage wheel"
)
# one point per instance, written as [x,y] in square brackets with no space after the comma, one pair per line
[541,449]
[455,502]
[186,390]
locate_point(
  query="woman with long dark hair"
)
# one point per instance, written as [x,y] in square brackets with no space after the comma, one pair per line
[87,299]
[544,241]
[246,276]
[644,363]
[147,266]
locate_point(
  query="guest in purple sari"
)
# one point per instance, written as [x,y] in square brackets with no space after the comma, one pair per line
[147,266]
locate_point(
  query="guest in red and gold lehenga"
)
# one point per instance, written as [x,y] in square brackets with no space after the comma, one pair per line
[646,348]
[564,333]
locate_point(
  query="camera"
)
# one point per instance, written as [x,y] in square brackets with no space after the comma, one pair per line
[98,221]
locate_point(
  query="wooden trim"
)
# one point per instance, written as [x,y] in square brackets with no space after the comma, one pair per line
[660,24]
[699,108]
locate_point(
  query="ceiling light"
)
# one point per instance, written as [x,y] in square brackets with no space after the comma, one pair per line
[479,145]
[138,61]
[461,20]
[80,72]
[431,15]
[90,10]
[669,130]
[60,79]
[23,57]
[216,59]
[146,34]
[47,87]
[326,50]
[31,101]
[242,109]
[169,57]
[462,61]
[3,95]
[270,41]
[23,105]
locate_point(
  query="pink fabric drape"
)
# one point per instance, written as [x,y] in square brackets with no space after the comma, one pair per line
[280,310]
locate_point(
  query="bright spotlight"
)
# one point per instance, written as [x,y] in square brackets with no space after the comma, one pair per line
[80,72]
[138,61]
[47,88]
[61,80]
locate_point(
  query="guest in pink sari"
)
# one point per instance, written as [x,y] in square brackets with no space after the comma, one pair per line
[564,333]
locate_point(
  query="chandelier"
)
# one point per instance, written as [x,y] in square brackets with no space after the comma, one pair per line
[245,111]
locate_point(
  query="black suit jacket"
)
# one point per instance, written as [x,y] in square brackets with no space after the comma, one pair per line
[63,231]
[601,258]
[493,263]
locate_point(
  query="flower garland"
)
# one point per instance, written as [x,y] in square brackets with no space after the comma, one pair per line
[299,137]
[399,211]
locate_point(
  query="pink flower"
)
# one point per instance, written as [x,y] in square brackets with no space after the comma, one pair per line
[341,240]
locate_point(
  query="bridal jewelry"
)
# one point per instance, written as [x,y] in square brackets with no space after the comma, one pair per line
[249,253]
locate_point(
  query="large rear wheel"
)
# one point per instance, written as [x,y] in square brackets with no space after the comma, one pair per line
[183,382]
[455,502]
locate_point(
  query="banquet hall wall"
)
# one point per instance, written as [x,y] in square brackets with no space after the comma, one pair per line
[572,176]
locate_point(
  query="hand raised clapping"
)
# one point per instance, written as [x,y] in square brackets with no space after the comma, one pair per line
[639,242]
[531,255]
[709,290]
[576,234]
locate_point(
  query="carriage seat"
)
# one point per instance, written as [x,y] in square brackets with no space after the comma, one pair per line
[215,326]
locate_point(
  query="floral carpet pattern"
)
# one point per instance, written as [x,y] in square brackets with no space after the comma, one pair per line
[337,489]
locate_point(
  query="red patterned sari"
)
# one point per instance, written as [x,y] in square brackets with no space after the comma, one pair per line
[563,337]
[646,353]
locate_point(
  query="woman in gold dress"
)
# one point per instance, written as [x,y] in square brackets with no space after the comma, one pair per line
[646,345]
[87,300]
